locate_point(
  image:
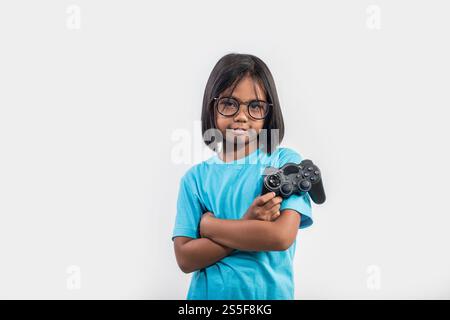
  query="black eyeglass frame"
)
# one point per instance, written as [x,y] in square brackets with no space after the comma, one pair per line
[216,105]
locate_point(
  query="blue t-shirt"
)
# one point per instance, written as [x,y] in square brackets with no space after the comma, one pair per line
[227,189]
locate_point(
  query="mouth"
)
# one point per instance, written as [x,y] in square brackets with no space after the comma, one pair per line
[238,131]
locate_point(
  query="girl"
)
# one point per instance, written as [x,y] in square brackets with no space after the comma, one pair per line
[240,243]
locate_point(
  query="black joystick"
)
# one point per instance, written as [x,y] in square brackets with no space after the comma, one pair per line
[295,178]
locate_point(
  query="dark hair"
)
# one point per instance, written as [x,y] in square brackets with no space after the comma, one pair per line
[229,70]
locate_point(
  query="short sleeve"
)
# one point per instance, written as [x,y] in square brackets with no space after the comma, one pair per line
[189,210]
[301,204]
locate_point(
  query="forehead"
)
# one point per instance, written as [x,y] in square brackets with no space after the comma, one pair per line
[246,89]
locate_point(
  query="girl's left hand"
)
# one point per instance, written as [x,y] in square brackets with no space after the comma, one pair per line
[203,221]
[207,213]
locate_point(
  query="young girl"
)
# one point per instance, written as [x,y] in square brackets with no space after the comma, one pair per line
[240,243]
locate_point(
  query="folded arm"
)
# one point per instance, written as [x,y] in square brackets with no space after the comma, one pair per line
[221,236]
[193,254]
[253,235]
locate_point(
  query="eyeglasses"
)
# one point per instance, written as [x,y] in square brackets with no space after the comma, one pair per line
[229,106]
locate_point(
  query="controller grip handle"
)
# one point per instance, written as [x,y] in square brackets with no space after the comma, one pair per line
[317,193]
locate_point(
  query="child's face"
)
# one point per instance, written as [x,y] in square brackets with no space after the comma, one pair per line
[245,92]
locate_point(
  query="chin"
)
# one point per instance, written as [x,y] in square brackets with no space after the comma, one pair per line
[238,140]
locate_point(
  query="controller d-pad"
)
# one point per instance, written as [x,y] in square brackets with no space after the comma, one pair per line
[274,181]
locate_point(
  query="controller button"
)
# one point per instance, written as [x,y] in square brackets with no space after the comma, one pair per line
[316,172]
[313,178]
[305,185]
[286,188]
[310,168]
[306,174]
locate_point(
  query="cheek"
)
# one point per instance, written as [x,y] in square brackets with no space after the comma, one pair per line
[258,125]
[222,123]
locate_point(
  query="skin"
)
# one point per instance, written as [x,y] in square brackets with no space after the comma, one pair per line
[263,227]
[246,90]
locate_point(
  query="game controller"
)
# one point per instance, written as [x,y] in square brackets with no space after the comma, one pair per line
[295,179]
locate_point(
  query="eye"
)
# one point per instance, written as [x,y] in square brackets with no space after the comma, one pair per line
[256,105]
[228,106]
[257,109]
[228,103]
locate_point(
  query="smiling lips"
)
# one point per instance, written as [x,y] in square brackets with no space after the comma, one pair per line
[239,131]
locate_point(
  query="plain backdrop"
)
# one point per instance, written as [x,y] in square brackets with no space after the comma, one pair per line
[95,94]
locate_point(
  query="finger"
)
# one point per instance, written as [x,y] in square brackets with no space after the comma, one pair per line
[261,200]
[272,202]
[266,215]
[275,209]
[276,215]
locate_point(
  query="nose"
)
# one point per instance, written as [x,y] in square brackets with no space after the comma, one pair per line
[241,116]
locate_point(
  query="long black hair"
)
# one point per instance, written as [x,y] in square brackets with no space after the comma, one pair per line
[227,72]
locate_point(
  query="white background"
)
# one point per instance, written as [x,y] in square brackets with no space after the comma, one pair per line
[88,112]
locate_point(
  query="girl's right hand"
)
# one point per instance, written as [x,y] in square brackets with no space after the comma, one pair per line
[265,207]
